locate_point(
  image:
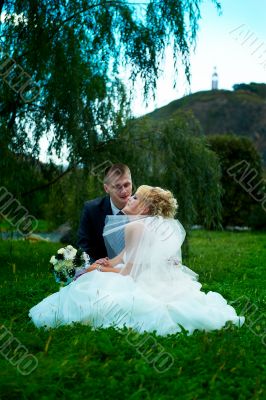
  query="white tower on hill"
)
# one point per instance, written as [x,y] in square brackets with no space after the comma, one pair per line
[214,79]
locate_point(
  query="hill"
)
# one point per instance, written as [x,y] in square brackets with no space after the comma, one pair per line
[241,111]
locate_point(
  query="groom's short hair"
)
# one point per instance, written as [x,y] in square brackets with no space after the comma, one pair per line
[116,171]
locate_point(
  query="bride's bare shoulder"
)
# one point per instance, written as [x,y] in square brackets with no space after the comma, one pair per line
[135,227]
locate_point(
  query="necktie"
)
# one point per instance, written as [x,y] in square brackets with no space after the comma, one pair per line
[120,213]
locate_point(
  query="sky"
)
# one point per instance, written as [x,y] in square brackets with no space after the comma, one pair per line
[233,42]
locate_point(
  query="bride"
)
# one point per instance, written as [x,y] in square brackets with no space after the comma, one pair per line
[145,286]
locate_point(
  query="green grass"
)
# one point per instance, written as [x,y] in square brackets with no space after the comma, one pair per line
[79,363]
[43,226]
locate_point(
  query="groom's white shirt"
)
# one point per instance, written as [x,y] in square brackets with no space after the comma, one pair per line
[115,210]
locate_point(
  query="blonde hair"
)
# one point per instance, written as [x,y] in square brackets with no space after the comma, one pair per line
[115,172]
[159,202]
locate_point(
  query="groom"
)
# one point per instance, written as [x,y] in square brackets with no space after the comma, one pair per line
[118,186]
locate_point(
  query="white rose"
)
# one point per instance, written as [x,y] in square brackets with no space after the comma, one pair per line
[86,257]
[57,267]
[70,252]
[68,256]
[61,251]
[53,260]
[73,253]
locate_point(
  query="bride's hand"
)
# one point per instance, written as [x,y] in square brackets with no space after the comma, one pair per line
[92,267]
[105,262]
[102,268]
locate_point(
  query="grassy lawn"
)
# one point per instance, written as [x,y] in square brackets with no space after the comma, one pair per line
[5,226]
[78,363]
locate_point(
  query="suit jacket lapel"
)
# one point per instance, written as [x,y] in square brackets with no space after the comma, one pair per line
[106,206]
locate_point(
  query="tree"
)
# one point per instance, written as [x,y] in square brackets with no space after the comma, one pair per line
[175,155]
[19,173]
[253,87]
[242,179]
[60,63]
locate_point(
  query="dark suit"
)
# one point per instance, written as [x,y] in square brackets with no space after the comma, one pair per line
[91,226]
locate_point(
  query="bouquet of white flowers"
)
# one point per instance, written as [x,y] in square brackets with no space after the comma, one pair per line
[69,263]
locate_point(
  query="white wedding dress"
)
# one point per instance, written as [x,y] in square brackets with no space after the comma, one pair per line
[153,291]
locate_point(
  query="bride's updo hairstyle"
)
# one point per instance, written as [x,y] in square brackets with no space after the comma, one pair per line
[159,202]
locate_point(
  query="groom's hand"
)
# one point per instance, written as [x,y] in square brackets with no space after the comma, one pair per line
[104,261]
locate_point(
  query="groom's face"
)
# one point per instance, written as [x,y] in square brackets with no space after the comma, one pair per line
[119,189]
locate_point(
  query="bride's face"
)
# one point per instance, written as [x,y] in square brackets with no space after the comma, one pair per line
[134,206]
